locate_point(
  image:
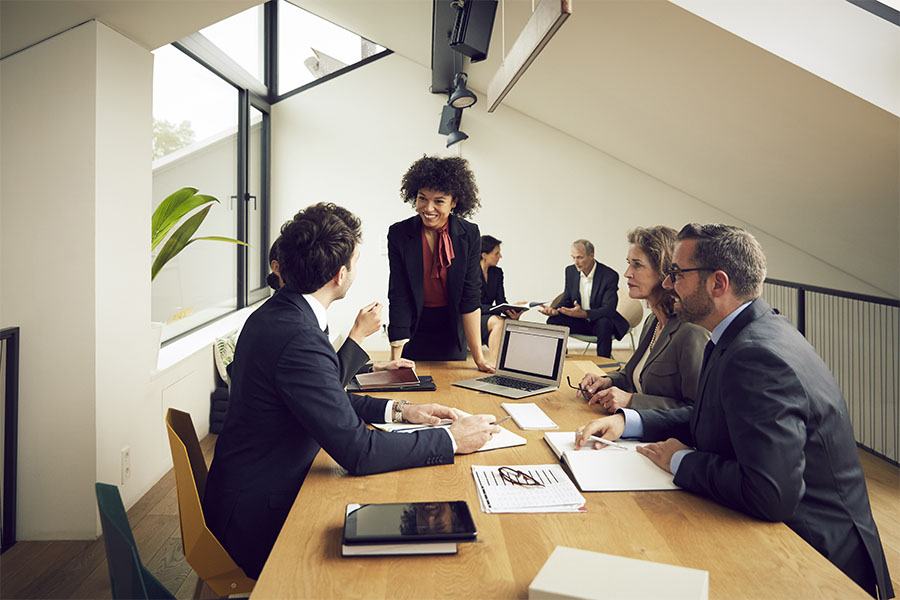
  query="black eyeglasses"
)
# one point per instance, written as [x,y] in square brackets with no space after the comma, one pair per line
[584,393]
[676,273]
[517,477]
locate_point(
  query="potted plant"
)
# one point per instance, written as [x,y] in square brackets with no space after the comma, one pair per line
[167,215]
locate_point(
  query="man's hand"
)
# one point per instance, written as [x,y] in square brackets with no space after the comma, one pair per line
[428,414]
[575,312]
[473,432]
[548,310]
[609,428]
[592,383]
[484,365]
[611,399]
[368,321]
[661,452]
[393,365]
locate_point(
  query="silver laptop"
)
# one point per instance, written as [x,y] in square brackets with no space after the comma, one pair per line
[531,361]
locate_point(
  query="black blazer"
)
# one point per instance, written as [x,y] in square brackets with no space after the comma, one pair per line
[352,359]
[287,403]
[670,374]
[405,293]
[774,441]
[492,292]
[604,295]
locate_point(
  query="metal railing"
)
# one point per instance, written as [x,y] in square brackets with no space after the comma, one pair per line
[858,337]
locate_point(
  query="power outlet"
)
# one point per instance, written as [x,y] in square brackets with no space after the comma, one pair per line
[126,464]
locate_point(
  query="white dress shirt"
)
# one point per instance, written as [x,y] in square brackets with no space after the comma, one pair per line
[586,284]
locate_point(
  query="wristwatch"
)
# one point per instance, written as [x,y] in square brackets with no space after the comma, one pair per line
[397,410]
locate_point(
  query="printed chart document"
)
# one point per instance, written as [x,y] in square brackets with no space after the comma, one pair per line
[573,573]
[557,494]
[610,469]
[529,416]
[504,439]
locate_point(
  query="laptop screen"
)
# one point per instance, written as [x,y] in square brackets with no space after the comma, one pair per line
[531,352]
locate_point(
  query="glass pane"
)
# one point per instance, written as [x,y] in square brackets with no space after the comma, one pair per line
[310,47]
[195,127]
[255,279]
[240,37]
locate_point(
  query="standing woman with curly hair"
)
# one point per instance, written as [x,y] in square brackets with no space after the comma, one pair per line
[434,290]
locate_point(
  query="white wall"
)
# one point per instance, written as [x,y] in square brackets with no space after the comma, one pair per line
[540,188]
[75,194]
[48,176]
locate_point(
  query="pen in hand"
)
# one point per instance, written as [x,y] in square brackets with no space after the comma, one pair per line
[607,442]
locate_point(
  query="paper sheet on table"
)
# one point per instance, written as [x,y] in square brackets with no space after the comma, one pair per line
[504,439]
[609,469]
[557,494]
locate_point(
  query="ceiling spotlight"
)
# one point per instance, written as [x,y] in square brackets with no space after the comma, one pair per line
[461,97]
[456,136]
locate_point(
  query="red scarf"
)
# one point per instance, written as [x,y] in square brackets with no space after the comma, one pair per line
[443,252]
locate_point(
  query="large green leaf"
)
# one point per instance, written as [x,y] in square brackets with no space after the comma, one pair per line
[219,238]
[172,209]
[178,240]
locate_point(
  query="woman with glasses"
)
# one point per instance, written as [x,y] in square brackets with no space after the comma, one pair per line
[664,370]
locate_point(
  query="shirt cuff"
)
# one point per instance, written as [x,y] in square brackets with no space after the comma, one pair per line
[634,426]
[398,343]
[676,460]
[452,440]
[388,409]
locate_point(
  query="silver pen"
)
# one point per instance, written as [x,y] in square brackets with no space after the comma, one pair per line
[594,438]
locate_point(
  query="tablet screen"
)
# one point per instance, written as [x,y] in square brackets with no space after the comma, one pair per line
[412,521]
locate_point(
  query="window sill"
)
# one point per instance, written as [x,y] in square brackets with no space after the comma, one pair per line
[173,353]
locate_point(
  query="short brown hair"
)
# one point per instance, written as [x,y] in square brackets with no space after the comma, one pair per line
[658,243]
[730,249]
[315,244]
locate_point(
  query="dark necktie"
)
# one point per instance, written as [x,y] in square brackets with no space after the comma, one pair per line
[326,331]
[707,352]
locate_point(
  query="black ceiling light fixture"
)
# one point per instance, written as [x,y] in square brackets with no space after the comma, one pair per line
[462,96]
[450,121]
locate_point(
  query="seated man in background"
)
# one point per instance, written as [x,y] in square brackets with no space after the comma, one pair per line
[287,401]
[589,300]
[769,433]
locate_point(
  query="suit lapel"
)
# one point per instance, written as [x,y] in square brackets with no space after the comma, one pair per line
[757,308]
[412,255]
[456,271]
[665,337]
[595,285]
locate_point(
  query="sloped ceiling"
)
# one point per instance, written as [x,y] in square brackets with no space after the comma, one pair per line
[150,23]
[702,110]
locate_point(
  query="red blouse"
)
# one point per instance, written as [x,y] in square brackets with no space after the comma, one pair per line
[434,288]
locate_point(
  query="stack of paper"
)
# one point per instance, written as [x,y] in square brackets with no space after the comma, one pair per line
[528,415]
[556,494]
[571,573]
[504,439]
[609,469]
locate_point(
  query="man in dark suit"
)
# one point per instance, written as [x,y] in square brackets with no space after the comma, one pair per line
[769,434]
[589,300]
[287,401]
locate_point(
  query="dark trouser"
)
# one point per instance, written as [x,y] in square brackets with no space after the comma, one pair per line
[436,337]
[602,328]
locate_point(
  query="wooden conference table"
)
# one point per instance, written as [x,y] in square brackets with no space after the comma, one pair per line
[745,558]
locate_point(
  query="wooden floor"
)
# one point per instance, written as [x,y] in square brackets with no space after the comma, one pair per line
[78,569]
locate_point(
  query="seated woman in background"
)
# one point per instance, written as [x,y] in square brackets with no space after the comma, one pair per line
[665,369]
[352,358]
[435,282]
[492,294]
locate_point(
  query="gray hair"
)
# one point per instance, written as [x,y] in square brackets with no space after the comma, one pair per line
[588,247]
[730,249]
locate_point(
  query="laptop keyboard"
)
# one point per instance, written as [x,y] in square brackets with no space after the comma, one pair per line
[525,386]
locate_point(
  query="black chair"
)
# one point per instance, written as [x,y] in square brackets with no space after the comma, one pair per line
[127,576]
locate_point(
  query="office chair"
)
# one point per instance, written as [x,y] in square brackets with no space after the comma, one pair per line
[212,563]
[128,578]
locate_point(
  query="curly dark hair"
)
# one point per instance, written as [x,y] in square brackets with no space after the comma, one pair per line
[315,244]
[450,175]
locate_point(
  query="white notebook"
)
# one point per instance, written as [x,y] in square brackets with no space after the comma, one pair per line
[609,469]
[529,416]
[504,439]
[556,492]
[571,573]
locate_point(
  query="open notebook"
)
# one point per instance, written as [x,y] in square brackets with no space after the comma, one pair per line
[610,469]
[504,439]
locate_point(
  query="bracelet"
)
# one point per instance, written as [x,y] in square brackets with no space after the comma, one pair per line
[397,410]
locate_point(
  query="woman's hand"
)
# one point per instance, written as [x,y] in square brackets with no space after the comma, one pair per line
[368,321]
[393,365]
[592,383]
[611,399]
[484,365]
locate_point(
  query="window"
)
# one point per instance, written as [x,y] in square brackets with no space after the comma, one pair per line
[212,93]
[309,47]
